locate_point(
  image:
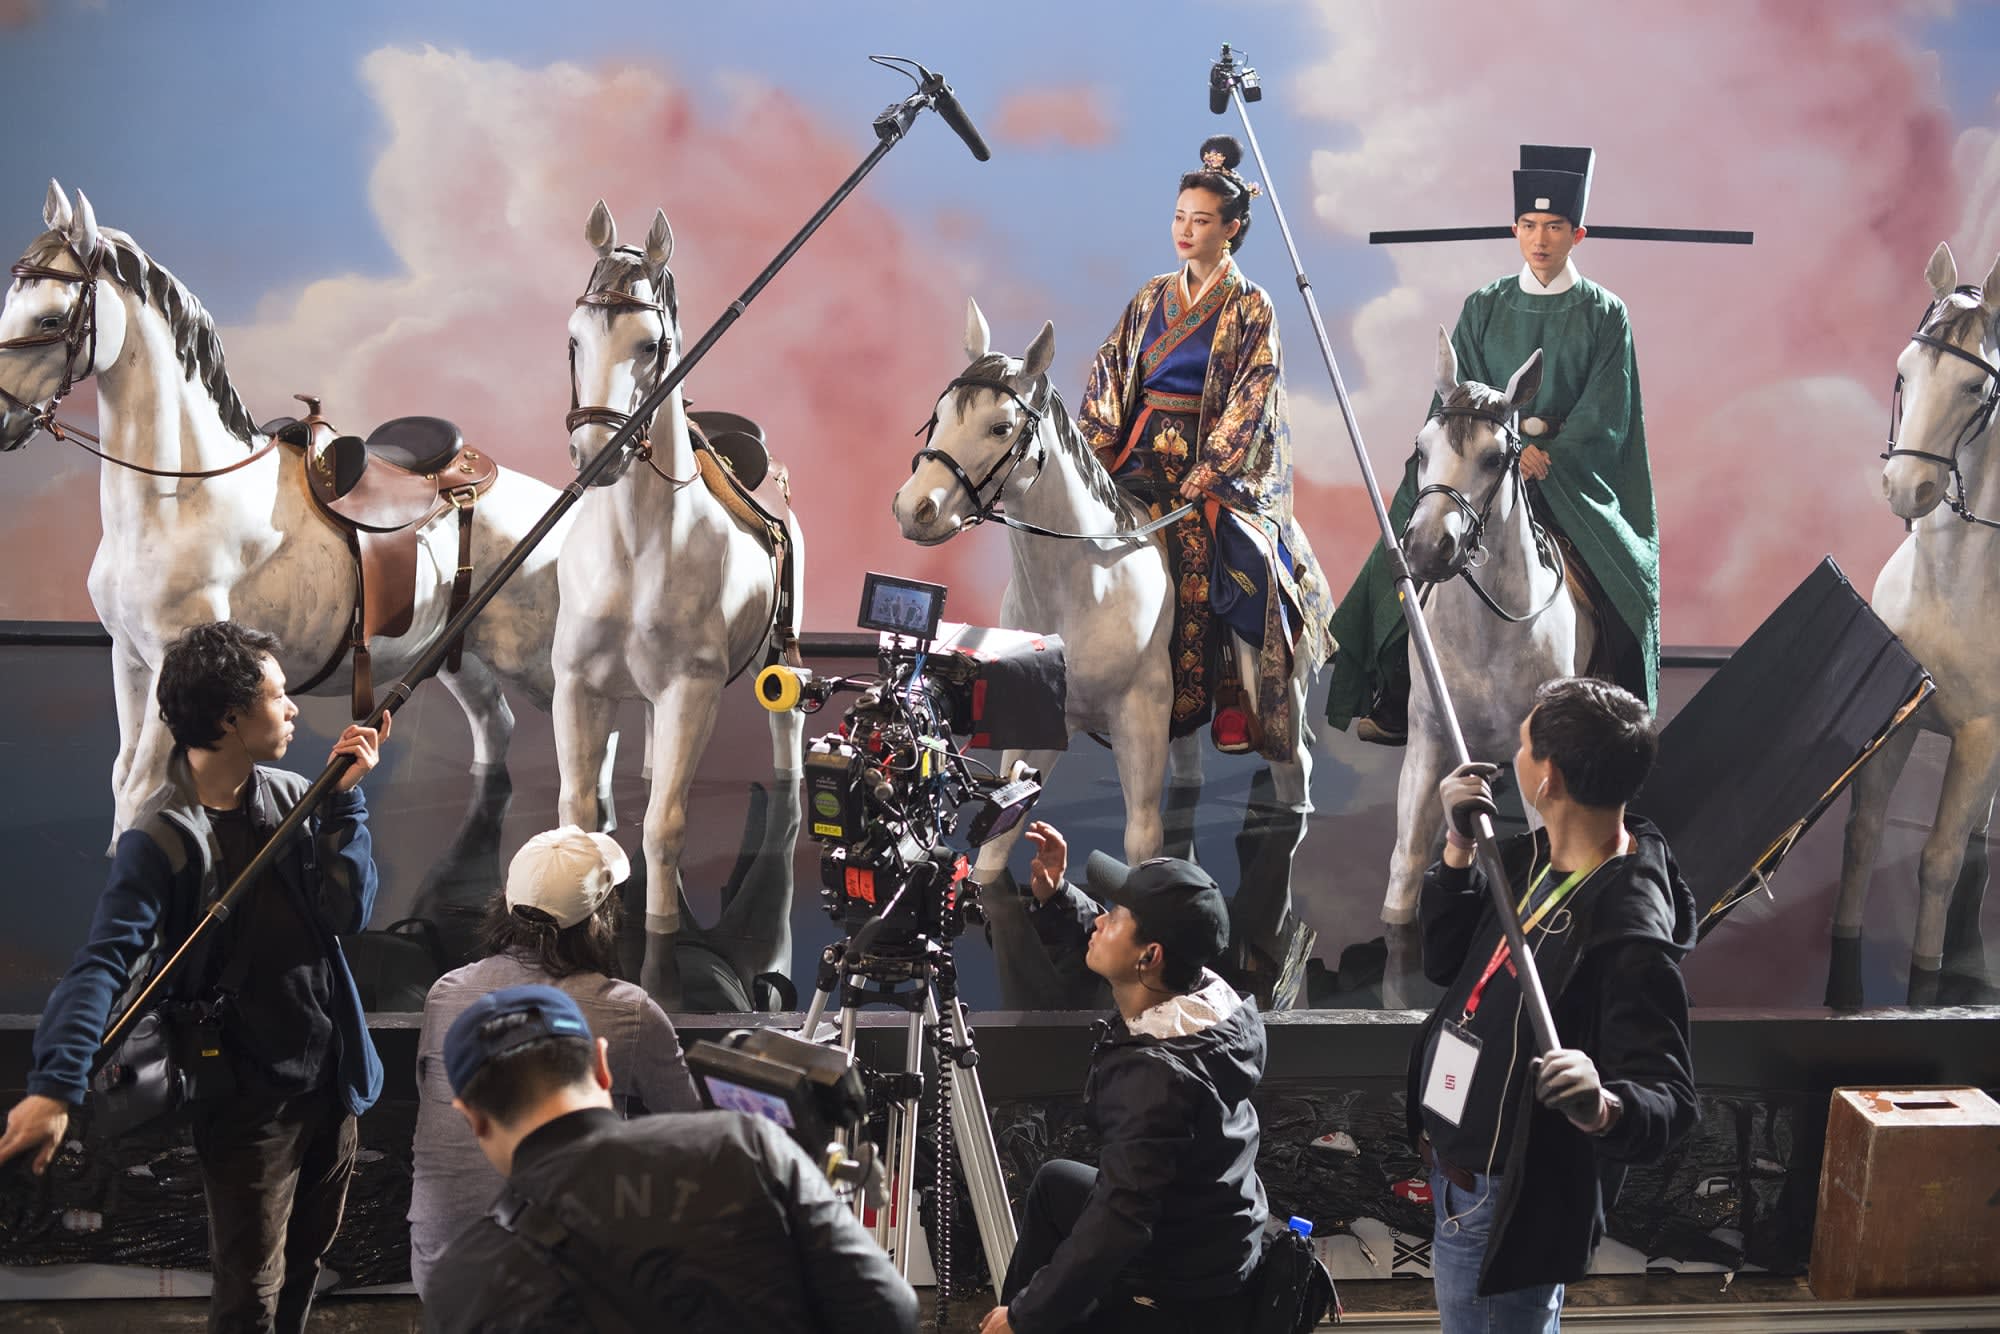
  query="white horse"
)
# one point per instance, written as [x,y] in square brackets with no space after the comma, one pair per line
[1472,513]
[1111,601]
[665,594]
[247,545]
[1940,593]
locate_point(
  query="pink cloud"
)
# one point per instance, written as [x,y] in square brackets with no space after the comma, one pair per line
[15,14]
[1766,369]
[482,189]
[1071,117]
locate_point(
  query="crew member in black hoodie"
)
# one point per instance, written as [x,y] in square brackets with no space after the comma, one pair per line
[1526,1152]
[1166,1232]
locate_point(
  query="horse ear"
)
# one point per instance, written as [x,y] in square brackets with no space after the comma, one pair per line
[82,230]
[1527,381]
[1942,271]
[601,231]
[1447,364]
[1991,290]
[978,338]
[659,241]
[56,213]
[1041,353]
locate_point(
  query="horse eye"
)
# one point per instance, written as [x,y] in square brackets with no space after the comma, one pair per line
[650,349]
[999,429]
[50,323]
[1494,462]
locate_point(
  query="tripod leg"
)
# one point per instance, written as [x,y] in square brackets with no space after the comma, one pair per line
[893,1225]
[978,1153]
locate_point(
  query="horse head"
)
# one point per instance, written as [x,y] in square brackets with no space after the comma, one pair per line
[982,431]
[1947,387]
[624,336]
[1466,453]
[62,319]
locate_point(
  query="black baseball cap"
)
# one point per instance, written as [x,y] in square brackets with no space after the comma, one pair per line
[1176,903]
[503,1020]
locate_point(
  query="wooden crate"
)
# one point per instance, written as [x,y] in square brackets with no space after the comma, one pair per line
[1909,1194]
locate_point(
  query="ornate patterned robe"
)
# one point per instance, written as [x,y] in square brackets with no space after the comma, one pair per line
[1240,431]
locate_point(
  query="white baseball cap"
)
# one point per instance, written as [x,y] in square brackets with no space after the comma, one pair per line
[566,873]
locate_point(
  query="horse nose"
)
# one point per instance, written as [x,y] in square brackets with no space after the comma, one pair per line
[575,456]
[1927,494]
[926,512]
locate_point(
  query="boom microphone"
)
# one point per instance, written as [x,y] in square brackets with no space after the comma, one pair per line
[954,115]
[1218,82]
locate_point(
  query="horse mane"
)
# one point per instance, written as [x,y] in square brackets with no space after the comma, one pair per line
[1477,397]
[1957,322]
[1096,480]
[624,269]
[196,343]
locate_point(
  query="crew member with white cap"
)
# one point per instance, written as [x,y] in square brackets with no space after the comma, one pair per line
[556,924]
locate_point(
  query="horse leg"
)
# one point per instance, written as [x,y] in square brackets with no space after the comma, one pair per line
[582,719]
[477,689]
[1418,820]
[1139,747]
[683,719]
[132,688]
[1183,797]
[1867,809]
[1969,781]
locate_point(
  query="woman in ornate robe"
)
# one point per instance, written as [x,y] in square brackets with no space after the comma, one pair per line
[1186,401]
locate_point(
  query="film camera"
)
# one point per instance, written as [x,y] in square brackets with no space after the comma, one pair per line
[887,787]
[816,1093]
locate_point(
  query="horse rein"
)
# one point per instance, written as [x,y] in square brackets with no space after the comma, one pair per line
[1018,449]
[79,331]
[1547,551]
[1981,419]
[581,414]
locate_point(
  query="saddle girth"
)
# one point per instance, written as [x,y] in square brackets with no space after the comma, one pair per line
[765,507]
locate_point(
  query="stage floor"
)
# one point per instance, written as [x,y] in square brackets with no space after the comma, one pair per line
[443,837]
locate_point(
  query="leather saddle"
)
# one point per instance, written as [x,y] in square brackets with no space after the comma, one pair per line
[381,493]
[739,472]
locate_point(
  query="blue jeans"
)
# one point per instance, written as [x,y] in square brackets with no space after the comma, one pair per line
[1458,1246]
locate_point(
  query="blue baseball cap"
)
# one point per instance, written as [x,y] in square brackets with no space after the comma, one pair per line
[503,1020]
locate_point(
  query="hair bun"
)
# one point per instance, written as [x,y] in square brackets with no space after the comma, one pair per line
[1221,152]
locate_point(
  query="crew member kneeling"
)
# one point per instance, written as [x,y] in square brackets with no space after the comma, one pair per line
[1167,1231]
[711,1221]
[1525,1153]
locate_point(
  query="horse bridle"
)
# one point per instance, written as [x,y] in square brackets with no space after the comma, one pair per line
[1547,550]
[77,333]
[592,414]
[1027,439]
[1981,419]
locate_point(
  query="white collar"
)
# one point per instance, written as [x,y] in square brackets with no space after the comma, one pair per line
[1565,280]
[1212,1001]
[1188,295]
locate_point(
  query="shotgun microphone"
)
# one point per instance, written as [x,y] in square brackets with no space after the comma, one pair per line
[954,115]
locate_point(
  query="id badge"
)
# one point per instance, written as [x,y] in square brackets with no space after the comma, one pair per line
[1451,1072]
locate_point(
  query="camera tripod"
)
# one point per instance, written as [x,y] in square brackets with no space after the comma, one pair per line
[920,978]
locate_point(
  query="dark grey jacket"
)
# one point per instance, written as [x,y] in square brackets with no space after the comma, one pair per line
[715,1220]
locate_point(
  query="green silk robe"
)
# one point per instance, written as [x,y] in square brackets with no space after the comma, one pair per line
[1599,487]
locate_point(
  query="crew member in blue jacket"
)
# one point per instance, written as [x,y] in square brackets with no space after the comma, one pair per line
[277,1149]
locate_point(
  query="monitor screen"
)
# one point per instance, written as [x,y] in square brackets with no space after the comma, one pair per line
[901,606]
[732,1097]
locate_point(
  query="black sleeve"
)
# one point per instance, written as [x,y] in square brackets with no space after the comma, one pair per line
[1063,925]
[848,1278]
[1449,906]
[1642,1053]
[1147,1132]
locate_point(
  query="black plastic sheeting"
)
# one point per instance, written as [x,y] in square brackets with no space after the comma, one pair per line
[1725,1196]
[1761,744]
[1736,1176]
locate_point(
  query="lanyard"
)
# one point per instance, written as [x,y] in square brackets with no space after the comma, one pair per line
[1548,905]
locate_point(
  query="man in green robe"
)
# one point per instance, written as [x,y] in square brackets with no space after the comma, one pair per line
[1584,455]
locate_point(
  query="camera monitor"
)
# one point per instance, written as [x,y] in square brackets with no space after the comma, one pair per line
[901,606]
